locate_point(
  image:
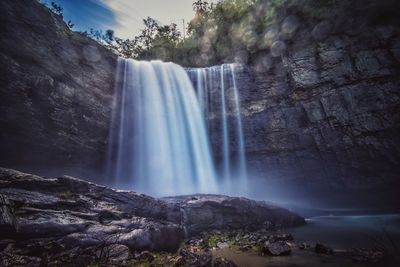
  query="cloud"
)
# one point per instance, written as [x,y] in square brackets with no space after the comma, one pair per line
[128,21]
[129,14]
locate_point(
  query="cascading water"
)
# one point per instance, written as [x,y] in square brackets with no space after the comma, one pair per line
[217,91]
[158,141]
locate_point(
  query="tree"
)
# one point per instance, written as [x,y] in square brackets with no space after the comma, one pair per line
[70,24]
[109,36]
[56,9]
[149,32]
[168,33]
[201,7]
[157,41]
[127,48]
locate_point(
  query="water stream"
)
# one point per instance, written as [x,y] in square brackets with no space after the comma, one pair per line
[160,130]
[158,142]
[219,97]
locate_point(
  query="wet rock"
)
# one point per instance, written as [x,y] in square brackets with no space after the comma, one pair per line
[222,212]
[322,30]
[222,245]
[290,25]
[278,248]
[9,257]
[5,242]
[222,262]
[322,249]
[89,222]
[153,224]
[176,261]
[278,48]
[7,217]
[280,237]
[304,246]
[367,255]
[48,223]
[116,253]
[203,259]
[145,256]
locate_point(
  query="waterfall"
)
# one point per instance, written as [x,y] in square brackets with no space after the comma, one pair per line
[225,138]
[217,89]
[158,141]
[239,128]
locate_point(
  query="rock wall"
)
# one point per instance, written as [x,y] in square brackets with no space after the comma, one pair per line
[321,106]
[56,90]
[76,213]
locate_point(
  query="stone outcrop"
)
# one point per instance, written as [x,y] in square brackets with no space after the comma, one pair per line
[56,89]
[321,107]
[78,213]
[202,212]
[75,213]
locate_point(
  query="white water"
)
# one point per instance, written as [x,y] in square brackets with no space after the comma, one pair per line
[225,137]
[219,97]
[158,143]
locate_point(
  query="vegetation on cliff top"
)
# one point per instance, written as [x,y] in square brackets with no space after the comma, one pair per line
[230,30]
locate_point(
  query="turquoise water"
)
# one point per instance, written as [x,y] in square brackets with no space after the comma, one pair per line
[344,232]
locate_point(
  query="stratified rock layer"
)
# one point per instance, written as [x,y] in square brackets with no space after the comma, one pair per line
[56,90]
[204,212]
[77,213]
[322,116]
[320,105]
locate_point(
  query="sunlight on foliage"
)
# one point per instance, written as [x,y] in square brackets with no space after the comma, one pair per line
[226,31]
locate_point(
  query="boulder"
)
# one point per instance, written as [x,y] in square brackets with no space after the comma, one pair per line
[192,259]
[115,253]
[205,212]
[322,249]
[145,256]
[7,217]
[280,237]
[222,245]
[75,214]
[176,261]
[278,248]
[304,246]
[9,257]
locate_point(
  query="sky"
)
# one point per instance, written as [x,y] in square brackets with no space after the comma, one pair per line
[124,16]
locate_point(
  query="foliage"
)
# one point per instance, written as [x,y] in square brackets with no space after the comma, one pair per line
[56,9]
[70,24]
[155,41]
[212,241]
[230,30]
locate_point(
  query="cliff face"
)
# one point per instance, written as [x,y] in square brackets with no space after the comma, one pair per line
[77,215]
[55,92]
[320,108]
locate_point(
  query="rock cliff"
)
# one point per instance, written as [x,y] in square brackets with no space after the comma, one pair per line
[56,89]
[320,106]
[41,216]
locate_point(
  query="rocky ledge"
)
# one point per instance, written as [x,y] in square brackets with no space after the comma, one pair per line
[43,219]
